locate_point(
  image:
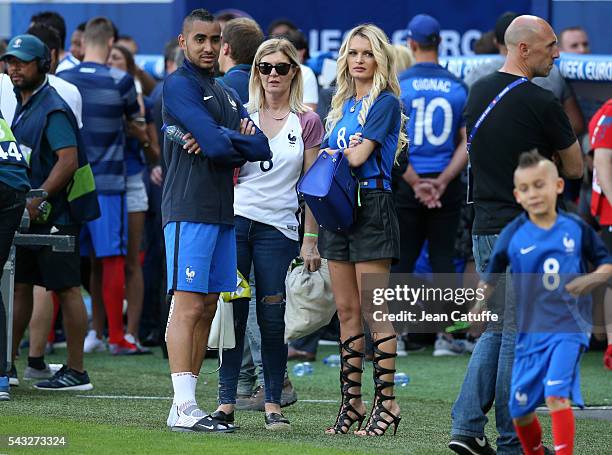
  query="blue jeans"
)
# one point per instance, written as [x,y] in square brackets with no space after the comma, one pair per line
[270,252]
[489,371]
[251,369]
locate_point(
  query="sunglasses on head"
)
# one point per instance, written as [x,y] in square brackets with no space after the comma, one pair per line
[282,69]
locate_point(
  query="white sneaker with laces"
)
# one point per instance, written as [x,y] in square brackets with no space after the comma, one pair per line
[93,343]
[174,415]
[444,347]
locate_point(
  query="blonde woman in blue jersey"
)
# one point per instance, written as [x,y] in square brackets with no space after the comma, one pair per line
[365,122]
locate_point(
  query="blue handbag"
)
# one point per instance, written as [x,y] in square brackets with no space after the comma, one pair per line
[330,190]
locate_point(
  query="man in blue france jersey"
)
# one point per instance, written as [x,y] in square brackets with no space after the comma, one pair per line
[197,208]
[548,254]
[109,97]
[429,195]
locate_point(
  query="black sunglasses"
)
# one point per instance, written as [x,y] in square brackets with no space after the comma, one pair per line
[282,69]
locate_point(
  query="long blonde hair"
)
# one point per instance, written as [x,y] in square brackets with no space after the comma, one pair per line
[296,91]
[385,78]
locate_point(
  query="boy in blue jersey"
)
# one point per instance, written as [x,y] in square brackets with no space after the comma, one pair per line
[197,209]
[546,250]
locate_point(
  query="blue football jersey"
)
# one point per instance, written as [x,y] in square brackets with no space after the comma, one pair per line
[434,100]
[382,126]
[543,262]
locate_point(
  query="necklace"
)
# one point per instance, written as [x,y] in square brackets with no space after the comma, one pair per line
[276,118]
[357,101]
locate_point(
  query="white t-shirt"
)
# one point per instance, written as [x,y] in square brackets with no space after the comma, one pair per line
[266,191]
[311,88]
[69,92]
[68,62]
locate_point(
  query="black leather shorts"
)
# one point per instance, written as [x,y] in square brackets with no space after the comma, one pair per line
[374,235]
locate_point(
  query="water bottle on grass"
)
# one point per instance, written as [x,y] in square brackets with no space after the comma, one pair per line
[332,360]
[401,379]
[302,369]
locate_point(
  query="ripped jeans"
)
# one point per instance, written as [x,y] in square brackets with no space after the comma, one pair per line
[270,252]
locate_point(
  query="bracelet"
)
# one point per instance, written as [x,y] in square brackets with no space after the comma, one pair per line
[310,234]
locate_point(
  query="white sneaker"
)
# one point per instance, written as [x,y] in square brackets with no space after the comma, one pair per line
[468,346]
[173,415]
[93,343]
[444,347]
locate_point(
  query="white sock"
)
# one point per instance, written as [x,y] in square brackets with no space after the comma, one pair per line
[183,390]
[194,382]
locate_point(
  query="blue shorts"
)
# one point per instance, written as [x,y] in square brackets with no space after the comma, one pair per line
[107,235]
[200,257]
[552,372]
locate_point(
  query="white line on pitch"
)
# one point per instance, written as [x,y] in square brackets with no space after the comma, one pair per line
[131,397]
[123,397]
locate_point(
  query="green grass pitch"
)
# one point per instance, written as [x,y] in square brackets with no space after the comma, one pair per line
[135,426]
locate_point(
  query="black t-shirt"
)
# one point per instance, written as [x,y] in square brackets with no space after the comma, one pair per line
[527,117]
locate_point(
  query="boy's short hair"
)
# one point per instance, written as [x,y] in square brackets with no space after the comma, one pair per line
[529,159]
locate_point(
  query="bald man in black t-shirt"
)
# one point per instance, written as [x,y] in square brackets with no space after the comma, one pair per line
[525,118]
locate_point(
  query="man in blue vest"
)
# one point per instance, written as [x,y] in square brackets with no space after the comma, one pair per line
[14,184]
[49,139]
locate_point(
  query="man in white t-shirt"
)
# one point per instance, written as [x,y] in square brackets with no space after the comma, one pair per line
[69,92]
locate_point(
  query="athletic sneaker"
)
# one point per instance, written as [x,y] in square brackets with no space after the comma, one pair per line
[124,348]
[142,350]
[4,388]
[35,374]
[444,347]
[468,344]
[185,422]
[66,379]
[173,415]
[93,343]
[465,445]
[12,375]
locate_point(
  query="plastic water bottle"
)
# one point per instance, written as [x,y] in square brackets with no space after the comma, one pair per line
[174,133]
[332,360]
[302,369]
[401,379]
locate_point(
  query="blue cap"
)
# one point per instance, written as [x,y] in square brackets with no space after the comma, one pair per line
[424,29]
[26,48]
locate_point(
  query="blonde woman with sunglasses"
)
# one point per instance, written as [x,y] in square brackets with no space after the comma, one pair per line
[265,207]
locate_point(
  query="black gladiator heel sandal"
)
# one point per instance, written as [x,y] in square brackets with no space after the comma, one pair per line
[347,414]
[373,427]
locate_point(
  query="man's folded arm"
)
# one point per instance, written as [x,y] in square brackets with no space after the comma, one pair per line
[182,100]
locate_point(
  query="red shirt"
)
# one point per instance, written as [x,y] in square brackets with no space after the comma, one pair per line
[600,131]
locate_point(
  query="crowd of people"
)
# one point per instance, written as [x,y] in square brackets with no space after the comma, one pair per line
[200,170]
